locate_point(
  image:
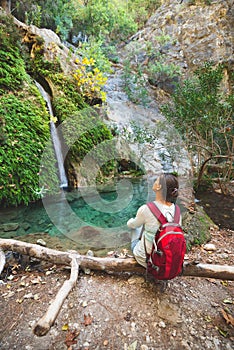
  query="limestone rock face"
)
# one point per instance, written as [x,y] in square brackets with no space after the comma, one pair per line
[198,32]
[51,45]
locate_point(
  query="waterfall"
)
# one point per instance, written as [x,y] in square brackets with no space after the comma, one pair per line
[55,138]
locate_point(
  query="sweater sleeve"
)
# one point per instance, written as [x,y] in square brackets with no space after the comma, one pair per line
[139,220]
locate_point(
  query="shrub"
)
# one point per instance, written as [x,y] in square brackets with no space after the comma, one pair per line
[90,81]
[135,84]
[203,114]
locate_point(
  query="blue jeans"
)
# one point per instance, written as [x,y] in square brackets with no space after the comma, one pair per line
[136,234]
[134,243]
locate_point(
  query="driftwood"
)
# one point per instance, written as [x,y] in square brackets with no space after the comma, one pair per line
[44,324]
[108,265]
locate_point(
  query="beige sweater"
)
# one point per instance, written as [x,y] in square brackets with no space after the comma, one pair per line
[145,217]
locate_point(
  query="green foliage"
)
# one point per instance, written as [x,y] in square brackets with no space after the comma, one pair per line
[26,131]
[28,165]
[111,52]
[85,134]
[146,64]
[202,113]
[68,100]
[94,49]
[54,14]
[142,10]
[116,19]
[12,67]
[159,68]
[23,123]
[40,66]
[90,81]
[135,84]
[34,16]
[104,18]
[163,39]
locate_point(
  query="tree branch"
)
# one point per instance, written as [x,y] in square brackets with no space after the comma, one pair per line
[45,323]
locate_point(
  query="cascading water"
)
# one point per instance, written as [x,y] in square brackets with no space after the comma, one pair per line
[55,138]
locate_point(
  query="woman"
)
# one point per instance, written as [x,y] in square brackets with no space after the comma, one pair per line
[166,190]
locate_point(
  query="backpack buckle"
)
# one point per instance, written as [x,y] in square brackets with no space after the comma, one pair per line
[156,268]
[159,252]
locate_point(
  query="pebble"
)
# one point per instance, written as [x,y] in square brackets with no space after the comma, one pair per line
[41,242]
[85,303]
[147,338]
[162,324]
[224,256]
[136,280]
[210,247]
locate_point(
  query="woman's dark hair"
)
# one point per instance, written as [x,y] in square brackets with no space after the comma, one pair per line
[170,187]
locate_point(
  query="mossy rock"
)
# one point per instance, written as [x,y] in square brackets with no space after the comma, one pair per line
[197,227]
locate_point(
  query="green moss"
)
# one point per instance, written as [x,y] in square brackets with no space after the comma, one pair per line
[68,94]
[197,227]
[86,134]
[12,67]
[26,132]
[83,129]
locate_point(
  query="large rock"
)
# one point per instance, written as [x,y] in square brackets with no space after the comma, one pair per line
[53,49]
[197,33]
[9,226]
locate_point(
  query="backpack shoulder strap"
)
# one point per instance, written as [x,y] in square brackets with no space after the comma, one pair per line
[157,213]
[177,214]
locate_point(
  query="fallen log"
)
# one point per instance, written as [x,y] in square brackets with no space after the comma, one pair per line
[109,264]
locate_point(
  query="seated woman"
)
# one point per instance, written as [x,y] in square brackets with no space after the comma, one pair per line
[145,224]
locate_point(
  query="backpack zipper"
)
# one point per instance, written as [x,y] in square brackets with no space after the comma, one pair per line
[168,233]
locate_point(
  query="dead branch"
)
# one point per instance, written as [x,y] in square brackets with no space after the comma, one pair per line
[44,324]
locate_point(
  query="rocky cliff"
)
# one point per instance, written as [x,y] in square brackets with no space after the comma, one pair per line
[188,34]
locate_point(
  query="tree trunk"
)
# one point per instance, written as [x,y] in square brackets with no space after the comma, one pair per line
[223,272]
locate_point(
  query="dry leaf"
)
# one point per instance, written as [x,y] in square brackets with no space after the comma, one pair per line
[36,280]
[228,318]
[65,327]
[133,346]
[88,320]
[222,332]
[70,338]
[19,301]
[228,301]
[224,283]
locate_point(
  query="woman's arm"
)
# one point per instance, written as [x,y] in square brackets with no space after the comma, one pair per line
[138,221]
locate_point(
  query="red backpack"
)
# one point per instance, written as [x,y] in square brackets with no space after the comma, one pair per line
[166,258]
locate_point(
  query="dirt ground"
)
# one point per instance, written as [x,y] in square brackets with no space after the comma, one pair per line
[121,312]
